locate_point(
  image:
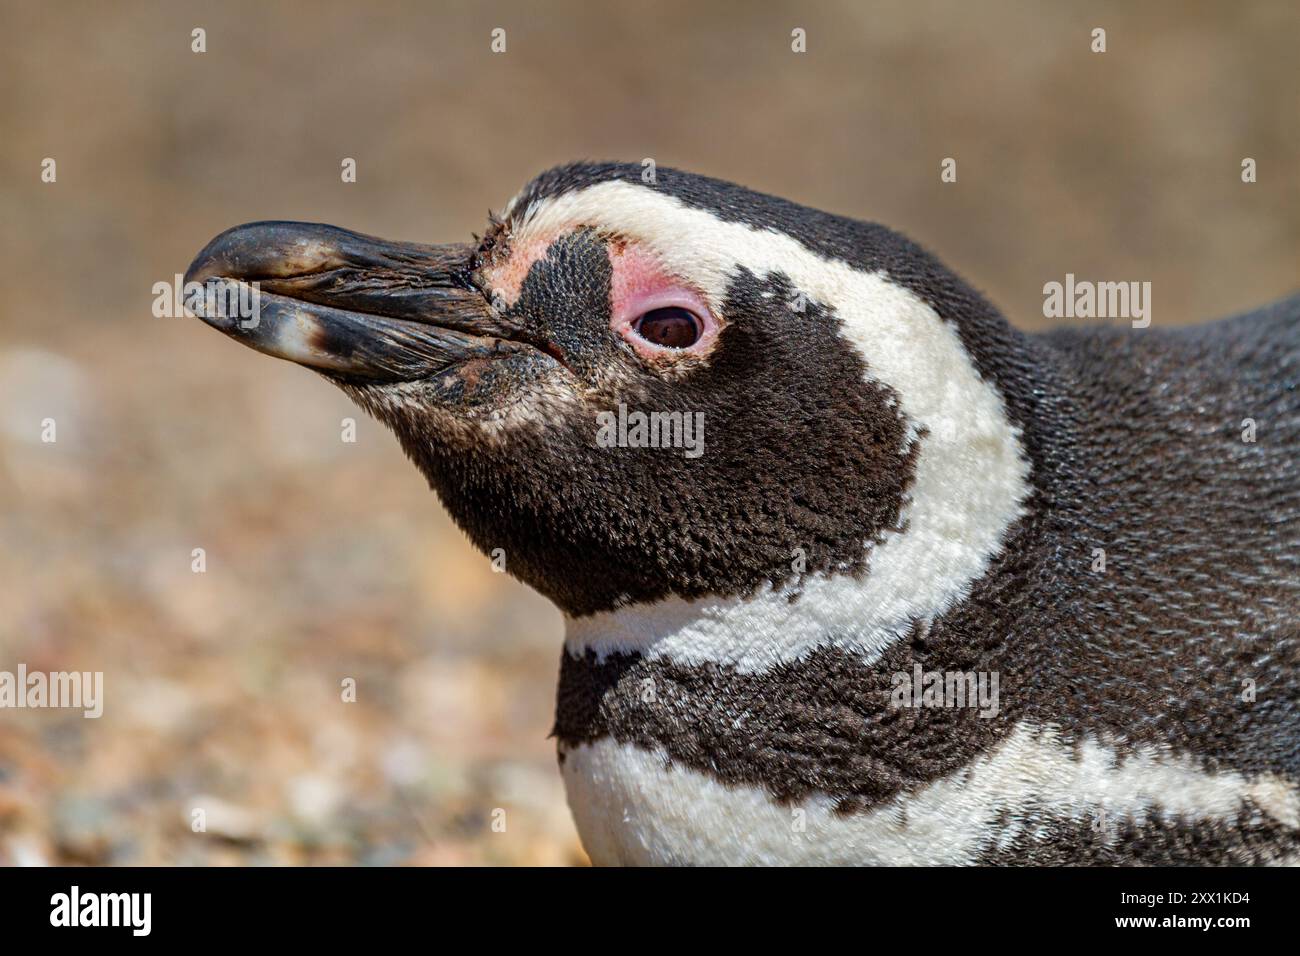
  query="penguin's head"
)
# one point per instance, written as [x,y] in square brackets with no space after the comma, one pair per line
[640,383]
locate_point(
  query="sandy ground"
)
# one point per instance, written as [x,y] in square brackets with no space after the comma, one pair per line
[328,560]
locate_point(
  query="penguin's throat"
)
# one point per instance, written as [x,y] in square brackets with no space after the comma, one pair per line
[956,525]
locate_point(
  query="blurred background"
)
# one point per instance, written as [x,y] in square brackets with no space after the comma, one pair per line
[327,560]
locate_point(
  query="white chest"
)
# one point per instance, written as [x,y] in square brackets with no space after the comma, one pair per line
[631,808]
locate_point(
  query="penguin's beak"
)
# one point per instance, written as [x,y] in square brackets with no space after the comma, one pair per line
[349,305]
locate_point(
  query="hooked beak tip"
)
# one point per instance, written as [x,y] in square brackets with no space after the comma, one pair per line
[339,301]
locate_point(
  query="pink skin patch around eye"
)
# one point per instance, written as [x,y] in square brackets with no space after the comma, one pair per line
[639,286]
[506,279]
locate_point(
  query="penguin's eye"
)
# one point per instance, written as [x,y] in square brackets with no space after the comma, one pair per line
[667,323]
[672,327]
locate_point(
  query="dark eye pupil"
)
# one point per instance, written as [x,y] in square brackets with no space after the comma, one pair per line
[673,327]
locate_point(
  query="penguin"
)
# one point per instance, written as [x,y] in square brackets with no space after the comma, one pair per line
[852,570]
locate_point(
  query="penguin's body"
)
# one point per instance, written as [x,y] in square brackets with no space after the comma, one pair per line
[1132,726]
[932,590]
